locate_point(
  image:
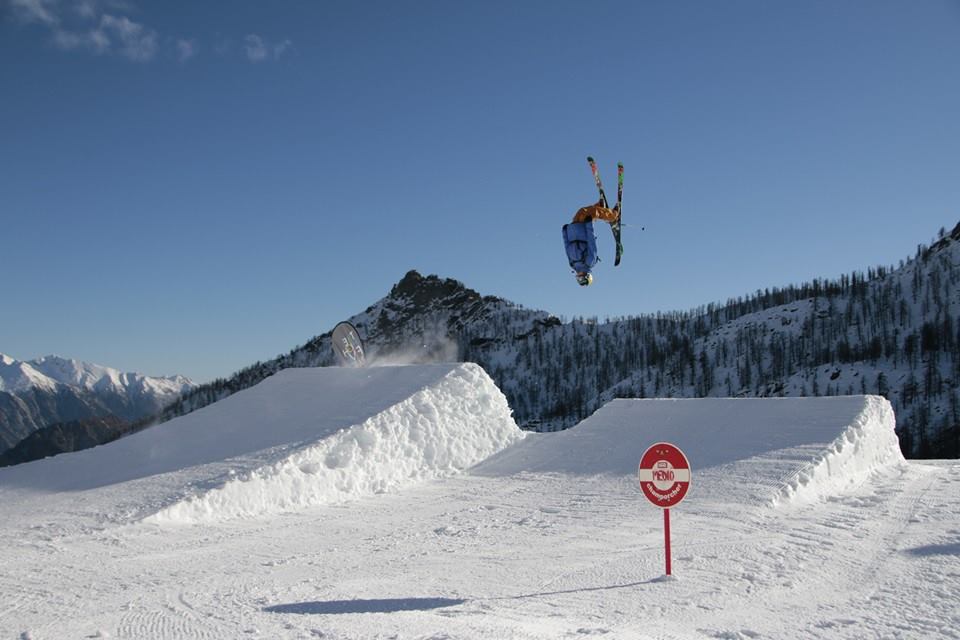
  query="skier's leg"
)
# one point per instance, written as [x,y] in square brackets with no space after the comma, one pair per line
[607,215]
[597,212]
[583,214]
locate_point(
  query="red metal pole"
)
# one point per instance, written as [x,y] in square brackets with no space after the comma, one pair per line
[666,536]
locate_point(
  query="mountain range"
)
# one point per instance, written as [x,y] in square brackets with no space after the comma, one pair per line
[71,403]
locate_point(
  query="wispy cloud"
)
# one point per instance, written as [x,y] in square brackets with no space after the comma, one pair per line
[86,9]
[186,49]
[42,11]
[103,27]
[92,9]
[85,25]
[112,35]
[280,49]
[256,48]
[130,39]
[259,49]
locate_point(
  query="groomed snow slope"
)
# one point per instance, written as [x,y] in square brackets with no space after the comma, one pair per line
[550,538]
[758,450]
[301,437]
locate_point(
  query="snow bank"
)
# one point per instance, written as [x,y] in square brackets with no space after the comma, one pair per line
[444,428]
[771,450]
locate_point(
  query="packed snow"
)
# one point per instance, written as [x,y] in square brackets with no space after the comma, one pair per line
[403,502]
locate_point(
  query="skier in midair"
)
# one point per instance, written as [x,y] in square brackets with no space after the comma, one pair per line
[580,241]
[578,237]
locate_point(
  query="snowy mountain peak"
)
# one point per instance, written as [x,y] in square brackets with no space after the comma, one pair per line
[49,371]
[16,376]
[428,313]
[72,372]
[80,402]
[431,290]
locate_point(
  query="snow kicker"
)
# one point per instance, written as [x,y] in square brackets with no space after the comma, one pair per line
[456,418]
[770,451]
[315,436]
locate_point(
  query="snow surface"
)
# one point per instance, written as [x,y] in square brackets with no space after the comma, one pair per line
[338,503]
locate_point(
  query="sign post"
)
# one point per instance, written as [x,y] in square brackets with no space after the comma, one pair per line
[666,537]
[664,476]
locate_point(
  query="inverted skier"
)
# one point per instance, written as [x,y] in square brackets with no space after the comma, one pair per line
[578,237]
[580,240]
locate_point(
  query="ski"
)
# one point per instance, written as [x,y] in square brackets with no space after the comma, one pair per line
[616,227]
[596,178]
[619,183]
[603,200]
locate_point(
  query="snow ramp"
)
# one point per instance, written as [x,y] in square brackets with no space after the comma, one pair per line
[768,451]
[301,437]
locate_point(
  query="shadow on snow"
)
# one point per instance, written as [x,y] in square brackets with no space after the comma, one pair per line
[935,550]
[383,605]
[394,605]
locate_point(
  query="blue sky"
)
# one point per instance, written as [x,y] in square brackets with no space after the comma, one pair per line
[188,187]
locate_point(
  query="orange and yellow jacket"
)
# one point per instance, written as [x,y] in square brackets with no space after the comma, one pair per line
[595,212]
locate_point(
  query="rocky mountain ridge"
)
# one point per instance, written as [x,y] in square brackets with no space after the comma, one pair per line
[49,391]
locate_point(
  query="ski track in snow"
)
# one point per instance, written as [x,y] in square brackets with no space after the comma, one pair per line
[551,538]
[533,556]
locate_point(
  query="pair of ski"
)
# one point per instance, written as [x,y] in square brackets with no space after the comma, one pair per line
[603,198]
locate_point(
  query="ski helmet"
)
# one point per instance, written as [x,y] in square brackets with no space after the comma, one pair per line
[584,279]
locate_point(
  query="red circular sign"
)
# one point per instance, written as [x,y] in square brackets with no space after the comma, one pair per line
[664,475]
